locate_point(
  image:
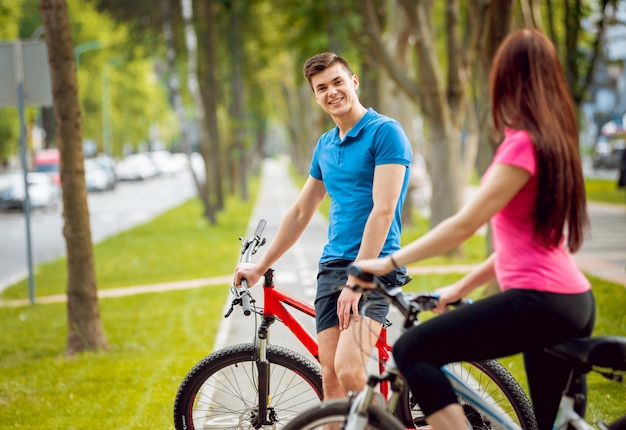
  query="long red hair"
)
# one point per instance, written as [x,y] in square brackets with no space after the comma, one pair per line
[529,92]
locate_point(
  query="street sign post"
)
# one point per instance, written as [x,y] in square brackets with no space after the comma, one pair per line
[25,81]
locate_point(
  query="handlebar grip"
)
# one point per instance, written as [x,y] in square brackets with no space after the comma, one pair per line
[260,227]
[245,298]
[359,274]
[462,302]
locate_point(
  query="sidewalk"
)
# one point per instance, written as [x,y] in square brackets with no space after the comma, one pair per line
[603,254]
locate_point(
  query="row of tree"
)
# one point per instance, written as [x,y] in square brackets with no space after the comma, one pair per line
[121,97]
[232,68]
[240,78]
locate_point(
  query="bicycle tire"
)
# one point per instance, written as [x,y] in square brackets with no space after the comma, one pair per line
[221,391]
[492,380]
[620,424]
[336,412]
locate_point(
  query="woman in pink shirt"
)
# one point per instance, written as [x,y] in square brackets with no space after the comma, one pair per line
[533,193]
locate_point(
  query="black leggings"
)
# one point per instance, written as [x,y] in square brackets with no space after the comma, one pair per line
[500,325]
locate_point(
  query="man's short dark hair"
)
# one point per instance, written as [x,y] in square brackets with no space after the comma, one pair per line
[320,62]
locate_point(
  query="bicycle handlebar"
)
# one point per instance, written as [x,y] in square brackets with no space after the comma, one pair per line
[248,248]
[409,304]
[245,298]
[259,228]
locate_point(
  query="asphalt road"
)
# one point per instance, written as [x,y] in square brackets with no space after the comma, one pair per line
[130,204]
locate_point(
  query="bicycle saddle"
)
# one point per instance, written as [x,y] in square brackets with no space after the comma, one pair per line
[602,351]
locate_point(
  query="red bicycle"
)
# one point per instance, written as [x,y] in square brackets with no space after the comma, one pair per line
[259,385]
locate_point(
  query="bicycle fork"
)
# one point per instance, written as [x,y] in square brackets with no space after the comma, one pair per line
[358,416]
[265,414]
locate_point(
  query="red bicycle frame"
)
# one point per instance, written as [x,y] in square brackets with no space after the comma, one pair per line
[275,307]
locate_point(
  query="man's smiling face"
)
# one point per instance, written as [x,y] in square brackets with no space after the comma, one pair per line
[335,90]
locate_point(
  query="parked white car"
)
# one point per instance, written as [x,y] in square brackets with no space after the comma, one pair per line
[98,177]
[43,192]
[165,162]
[136,167]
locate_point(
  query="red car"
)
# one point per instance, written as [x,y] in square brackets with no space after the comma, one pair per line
[47,161]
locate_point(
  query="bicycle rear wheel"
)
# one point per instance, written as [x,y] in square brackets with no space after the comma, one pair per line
[493,382]
[221,391]
[336,412]
[620,424]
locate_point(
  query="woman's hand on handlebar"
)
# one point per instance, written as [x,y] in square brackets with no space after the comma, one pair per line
[373,266]
[251,272]
[449,294]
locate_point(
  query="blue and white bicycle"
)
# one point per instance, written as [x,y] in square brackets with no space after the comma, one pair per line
[485,408]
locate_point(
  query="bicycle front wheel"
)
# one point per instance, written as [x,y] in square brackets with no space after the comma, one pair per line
[494,384]
[222,391]
[336,412]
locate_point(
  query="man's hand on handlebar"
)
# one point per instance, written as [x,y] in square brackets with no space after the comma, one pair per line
[251,272]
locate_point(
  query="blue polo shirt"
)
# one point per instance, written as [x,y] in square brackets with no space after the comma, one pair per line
[346,166]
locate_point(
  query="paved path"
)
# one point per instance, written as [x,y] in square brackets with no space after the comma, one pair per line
[604,252]
[295,272]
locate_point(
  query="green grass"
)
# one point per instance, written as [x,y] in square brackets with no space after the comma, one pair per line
[605,191]
[155,339]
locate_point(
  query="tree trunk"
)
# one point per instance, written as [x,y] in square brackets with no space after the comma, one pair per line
[531,13]
[397,103]
[579,66]
[440,108]
[172,81]
[498,26]
[300,120]
[238,116]
[191,41]
[213,158]
[441,95]
[84,326]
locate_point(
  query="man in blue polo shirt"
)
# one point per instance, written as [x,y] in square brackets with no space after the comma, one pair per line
[363,165]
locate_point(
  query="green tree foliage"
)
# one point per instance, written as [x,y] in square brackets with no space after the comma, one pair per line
[137,100]
[577,28]
[10,13]
[276,111]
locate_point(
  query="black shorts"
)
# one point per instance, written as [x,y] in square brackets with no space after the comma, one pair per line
[331,278]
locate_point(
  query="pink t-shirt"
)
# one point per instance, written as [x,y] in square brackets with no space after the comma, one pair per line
[522,261]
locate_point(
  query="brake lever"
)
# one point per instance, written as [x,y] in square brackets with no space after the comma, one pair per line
[235,301]
[259,244]
[230,311]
